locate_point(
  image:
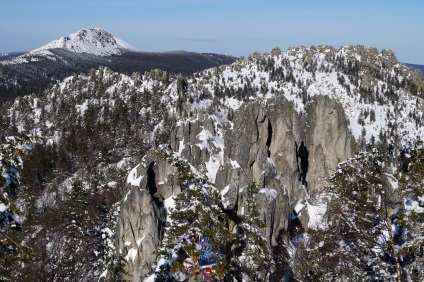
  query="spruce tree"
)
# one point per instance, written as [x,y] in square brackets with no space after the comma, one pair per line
[200,230]
[12,252]
[367,235]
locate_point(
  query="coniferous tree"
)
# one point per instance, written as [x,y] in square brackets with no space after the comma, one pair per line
[366,232]
[412,218]
[12,253]
[198,213]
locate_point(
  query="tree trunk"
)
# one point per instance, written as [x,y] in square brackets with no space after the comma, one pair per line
[394,252]
[400,192]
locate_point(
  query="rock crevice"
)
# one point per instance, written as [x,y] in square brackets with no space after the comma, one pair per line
[259,148]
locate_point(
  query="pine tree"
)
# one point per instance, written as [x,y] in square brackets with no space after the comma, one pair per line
[256,251]
[12,253]
[198,214]
[412,218]
[366,229]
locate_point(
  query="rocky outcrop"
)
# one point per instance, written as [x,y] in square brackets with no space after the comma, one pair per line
[138,233]
[259,146]
[184,139]
[140,225]
[328,139]
[262,142]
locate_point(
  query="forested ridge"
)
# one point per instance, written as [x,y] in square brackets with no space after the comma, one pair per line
[211,155]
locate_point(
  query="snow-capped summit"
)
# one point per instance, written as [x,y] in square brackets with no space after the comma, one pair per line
[95,41]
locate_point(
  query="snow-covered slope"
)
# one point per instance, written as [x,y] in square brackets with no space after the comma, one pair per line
[375,90]
[31,72]
[101,124]
[95,41]
[90,41]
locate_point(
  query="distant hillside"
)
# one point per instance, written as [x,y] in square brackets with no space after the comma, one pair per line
[33,76]
[420,67]
[91,48]
[132,163]
[6,56]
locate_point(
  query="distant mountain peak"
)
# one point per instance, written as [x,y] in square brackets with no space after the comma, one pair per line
[95,41]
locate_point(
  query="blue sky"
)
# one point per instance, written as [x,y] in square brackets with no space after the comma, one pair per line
[235,27]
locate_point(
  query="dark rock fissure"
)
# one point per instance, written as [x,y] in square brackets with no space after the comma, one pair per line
[257,132]
[251,165]
[151,184]
[269,138]
[271,227]
[152,188]
[257,129]
[303,155]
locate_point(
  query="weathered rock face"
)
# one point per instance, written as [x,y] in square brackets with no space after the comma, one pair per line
[327,138]
[138,233]
[260,148]
[262,142]
[185,138]
[140,226]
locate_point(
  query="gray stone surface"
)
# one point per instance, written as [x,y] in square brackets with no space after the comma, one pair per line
[260,130]
[262,142]
[140,226]
[138,233]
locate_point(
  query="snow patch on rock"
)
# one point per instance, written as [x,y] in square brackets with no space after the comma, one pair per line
[133,177]
[270,194]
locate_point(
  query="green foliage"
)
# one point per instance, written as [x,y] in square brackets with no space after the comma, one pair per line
[197,209]
[357,219]
[367,232]
[107,256]
[12,253]
[74,207]
[256,252]
[412,178]
[199,212]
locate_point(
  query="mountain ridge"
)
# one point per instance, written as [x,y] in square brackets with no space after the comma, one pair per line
[417,66]
[131,144]
[94,41]
[33,71]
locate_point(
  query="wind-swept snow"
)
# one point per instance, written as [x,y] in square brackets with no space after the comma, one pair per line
[133,177]
[95,41]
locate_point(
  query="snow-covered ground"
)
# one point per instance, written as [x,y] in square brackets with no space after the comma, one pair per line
[94,41]
[327,80]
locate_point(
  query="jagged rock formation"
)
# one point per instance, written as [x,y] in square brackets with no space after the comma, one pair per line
[92,48]
[139,232]
[264,133]
[259,147]
[141,221]
[234,125]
